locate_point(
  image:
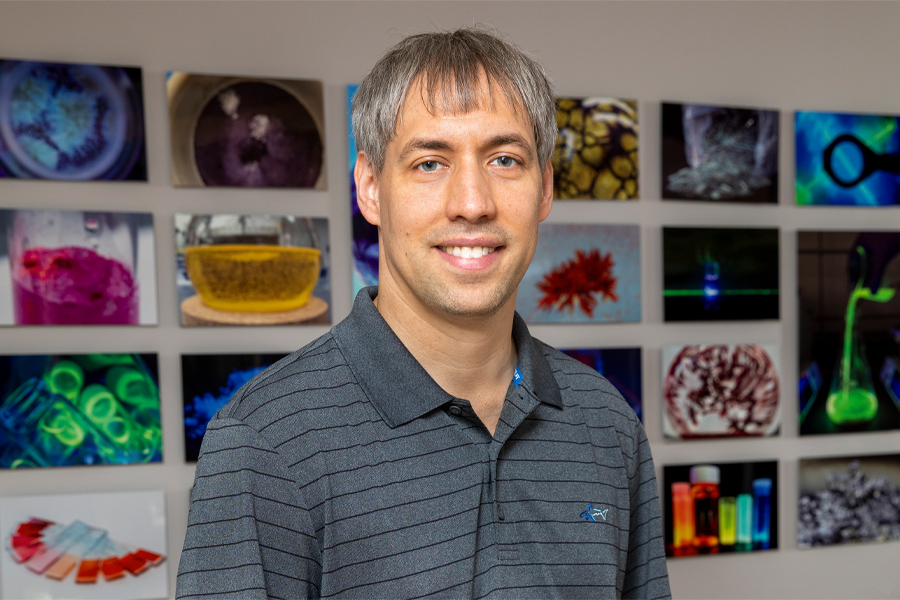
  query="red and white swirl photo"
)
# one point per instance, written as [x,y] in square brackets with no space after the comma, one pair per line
[721,390]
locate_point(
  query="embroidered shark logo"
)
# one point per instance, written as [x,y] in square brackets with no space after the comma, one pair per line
[592,513]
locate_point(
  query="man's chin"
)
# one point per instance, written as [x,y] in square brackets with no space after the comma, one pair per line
[470,306]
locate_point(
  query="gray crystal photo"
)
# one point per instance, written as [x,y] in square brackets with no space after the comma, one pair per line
[851,499]
[719,153]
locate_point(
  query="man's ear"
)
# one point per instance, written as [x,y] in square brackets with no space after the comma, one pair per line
[367,190]
[546,191]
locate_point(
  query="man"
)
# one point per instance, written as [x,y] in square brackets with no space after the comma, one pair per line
[428,445]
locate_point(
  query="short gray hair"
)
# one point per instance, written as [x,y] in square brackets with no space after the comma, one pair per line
[450,65]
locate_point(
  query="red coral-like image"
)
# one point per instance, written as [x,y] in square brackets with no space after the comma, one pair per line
[720,391]
[576,282]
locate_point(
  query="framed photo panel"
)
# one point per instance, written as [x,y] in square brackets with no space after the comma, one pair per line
[207,382]
[621,366]
[235,131]
[596,155]
[719,153]
[583,274]
[67,267]
[252,269]
[84,546]
[720,508]
[79,409]
[849,352]
[719,274]
[848,500]
[721,390]
[846,159]
[71,121]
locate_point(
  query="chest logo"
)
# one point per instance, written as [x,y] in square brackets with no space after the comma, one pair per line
[594,514]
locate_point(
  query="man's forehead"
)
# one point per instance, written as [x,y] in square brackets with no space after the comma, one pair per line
[446,97]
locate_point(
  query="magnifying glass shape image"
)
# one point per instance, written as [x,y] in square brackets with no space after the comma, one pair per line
[848,161]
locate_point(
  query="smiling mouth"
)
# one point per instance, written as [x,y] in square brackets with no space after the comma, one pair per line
[467,251]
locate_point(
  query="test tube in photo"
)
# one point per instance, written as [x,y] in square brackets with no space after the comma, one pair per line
[727,521]
[744,522]
[762,513]
[682,516]
[705,494]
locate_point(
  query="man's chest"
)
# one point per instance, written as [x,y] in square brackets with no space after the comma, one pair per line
[438,511]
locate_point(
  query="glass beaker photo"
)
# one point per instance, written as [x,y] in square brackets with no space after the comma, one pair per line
[73,268]
[252,263]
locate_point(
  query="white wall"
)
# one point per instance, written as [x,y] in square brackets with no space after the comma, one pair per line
[805,55]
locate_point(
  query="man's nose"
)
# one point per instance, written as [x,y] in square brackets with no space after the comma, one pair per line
[471,195]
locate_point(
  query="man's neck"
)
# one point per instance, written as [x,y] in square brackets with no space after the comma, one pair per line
[473,359]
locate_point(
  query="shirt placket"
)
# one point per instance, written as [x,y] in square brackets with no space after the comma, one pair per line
[518,405]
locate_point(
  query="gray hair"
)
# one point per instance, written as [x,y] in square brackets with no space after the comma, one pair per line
[449,66]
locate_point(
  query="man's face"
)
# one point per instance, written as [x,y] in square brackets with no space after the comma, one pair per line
[458,202]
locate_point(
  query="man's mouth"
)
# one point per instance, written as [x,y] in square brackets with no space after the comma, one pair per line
[467,251]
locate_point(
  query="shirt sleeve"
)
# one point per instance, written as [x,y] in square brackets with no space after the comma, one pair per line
[646,575]
[248,535]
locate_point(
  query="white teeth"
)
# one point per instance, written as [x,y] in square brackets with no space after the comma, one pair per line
[468,251]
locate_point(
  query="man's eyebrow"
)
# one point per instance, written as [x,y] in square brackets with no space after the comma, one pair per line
[513,139]
[422,144]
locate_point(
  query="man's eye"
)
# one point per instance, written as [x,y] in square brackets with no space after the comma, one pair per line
[505,161]
[430,165]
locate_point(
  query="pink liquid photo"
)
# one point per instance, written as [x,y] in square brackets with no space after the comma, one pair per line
[72,285]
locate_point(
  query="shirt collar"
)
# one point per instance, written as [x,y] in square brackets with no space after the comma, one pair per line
[397,385]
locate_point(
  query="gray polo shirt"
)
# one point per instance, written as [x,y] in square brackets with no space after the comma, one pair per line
[344,470]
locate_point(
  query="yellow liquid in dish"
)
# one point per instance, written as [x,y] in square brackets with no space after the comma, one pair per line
[251,278]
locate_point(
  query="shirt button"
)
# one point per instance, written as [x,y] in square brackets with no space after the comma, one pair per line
[455,410]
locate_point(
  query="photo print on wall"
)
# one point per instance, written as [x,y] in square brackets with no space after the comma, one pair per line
[847,159]
[849,331]
[79,409]
[246,131]
[207,383]
[71,121]
[365,235]
[720,508]
[583,274]
[252,270]
[720,274]
[66,267]
[621,366]
[596,154]
[84,546]
[721,390]
[719,153]
[848,500]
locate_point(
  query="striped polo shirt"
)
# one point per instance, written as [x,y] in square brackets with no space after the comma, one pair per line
[344,470]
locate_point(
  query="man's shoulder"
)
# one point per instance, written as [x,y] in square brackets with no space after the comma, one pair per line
[583,386]
[300,380]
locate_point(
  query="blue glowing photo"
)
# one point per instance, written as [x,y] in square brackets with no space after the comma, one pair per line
[621,366]
[71,121]
[365,235]
[208,382]
[713,274]
[847,159]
